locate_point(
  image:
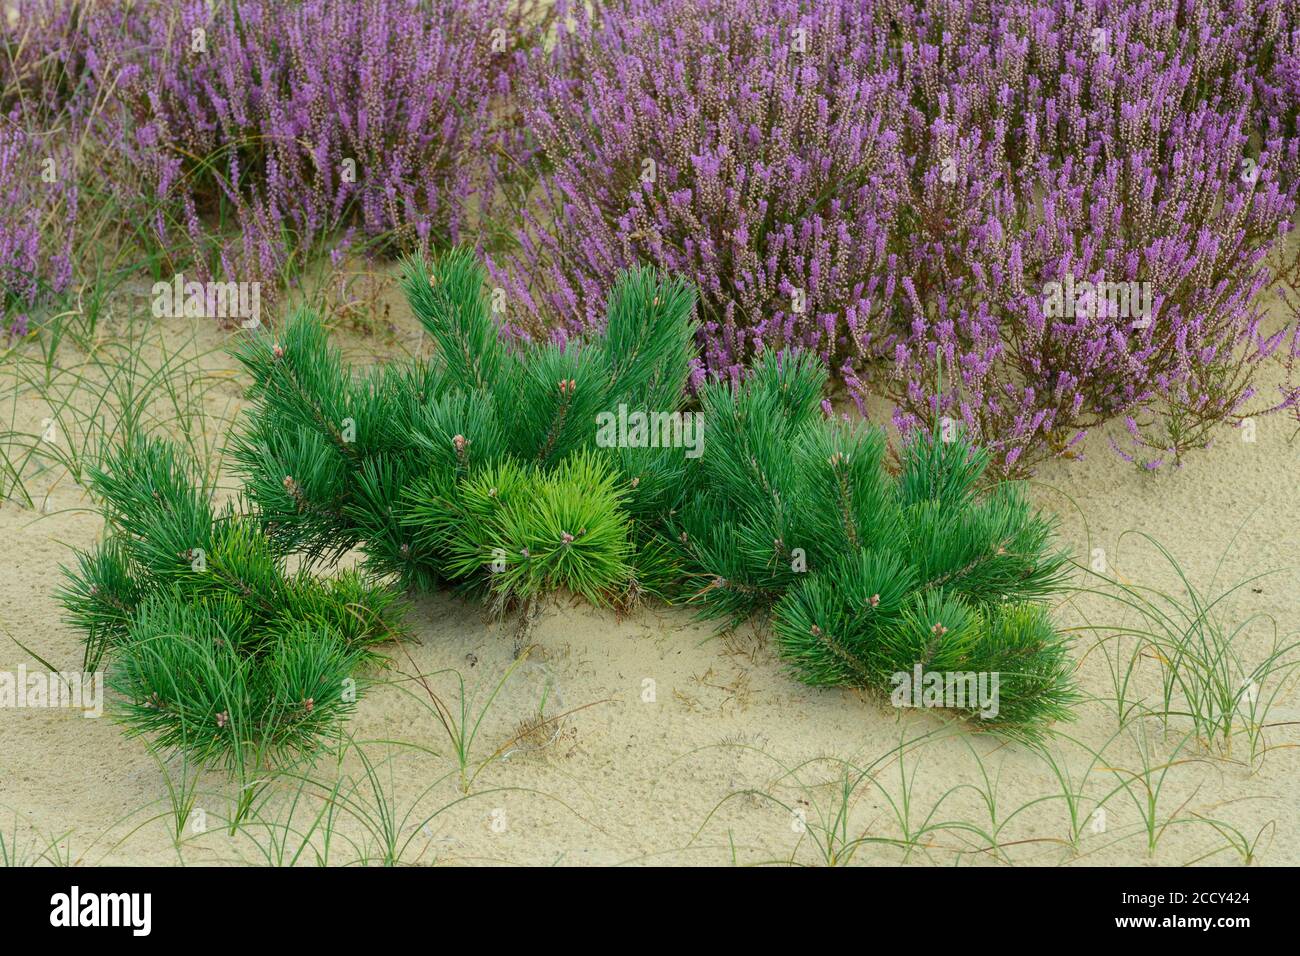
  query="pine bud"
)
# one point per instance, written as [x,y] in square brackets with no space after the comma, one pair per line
[295,491]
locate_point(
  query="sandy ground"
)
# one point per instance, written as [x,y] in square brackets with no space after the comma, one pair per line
[683,746]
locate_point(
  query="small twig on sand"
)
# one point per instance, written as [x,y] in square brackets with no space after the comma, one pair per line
[532,610]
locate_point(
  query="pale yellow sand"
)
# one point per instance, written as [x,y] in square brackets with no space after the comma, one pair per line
[680,751]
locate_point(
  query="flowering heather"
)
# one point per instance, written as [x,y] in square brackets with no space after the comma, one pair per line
[40,109]
[42,58]
[1279,113]
[695,135]
[895,185]
[1106,143]
[38,210]
[1279,82]
[300,122]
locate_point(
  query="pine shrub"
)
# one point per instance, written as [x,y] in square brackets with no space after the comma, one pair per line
[478,467]
[213,646]
[865,575]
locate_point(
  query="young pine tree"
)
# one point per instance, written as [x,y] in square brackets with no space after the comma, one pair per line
[476,467]
[868,576]
[213,647]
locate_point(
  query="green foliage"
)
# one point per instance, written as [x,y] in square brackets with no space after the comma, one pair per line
[572,535]
[213,646]
[483,456]
[1221,670]
[480,468]
[520,532]
[866,576]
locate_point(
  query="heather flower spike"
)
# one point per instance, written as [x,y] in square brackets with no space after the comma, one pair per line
[908,200]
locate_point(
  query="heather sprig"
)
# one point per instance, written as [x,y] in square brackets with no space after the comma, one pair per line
[38,215]
[43,60]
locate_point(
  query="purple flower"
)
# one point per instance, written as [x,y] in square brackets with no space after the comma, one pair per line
[38,215]
[898,195]
[300,122]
